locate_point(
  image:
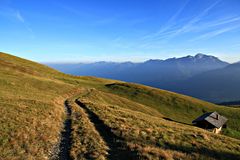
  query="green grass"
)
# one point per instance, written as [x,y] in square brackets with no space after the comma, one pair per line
[32,114]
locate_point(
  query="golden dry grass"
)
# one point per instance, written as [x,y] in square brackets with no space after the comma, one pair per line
[31,107]
[86,141]
[32,114]
[154,137]
[177,107]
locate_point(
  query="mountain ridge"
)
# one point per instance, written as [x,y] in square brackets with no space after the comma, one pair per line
[164,74]
[201,61]
[197,56]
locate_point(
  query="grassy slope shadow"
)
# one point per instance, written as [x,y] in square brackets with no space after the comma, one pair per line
[117,148]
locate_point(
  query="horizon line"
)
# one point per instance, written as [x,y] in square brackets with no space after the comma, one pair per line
[131,61]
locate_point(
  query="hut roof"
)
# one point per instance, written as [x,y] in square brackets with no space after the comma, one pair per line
[213,118]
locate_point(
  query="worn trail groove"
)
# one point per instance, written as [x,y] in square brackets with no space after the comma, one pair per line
[117,149]
[66,141]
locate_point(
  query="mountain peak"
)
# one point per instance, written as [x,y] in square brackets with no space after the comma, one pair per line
[201,55]
[153,61]
[208,58]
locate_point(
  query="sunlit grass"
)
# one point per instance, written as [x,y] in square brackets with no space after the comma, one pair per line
[154,137]
[32,114]
[86,141]
[177,107]
[32,110]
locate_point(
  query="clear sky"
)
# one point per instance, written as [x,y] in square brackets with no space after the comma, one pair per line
[119,30]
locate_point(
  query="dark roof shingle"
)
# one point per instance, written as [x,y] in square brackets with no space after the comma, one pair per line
[213,118]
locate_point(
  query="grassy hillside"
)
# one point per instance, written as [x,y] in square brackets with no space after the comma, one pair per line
[150,137]
[32,111]
[27,110]
[33,100]
[177,107]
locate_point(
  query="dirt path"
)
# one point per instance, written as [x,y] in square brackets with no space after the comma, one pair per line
[66,141]
[117,149]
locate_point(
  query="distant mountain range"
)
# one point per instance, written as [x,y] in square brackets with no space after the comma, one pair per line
[202,76]
[220,85]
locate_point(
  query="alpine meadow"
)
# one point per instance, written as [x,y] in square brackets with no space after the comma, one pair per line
[120,80]
[109,119]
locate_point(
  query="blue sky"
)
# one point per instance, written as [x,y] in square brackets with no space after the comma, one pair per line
[119,30]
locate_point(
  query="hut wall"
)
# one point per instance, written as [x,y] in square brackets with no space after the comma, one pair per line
[217,130]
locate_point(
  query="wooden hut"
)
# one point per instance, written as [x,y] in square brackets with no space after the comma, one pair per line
[211,121]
